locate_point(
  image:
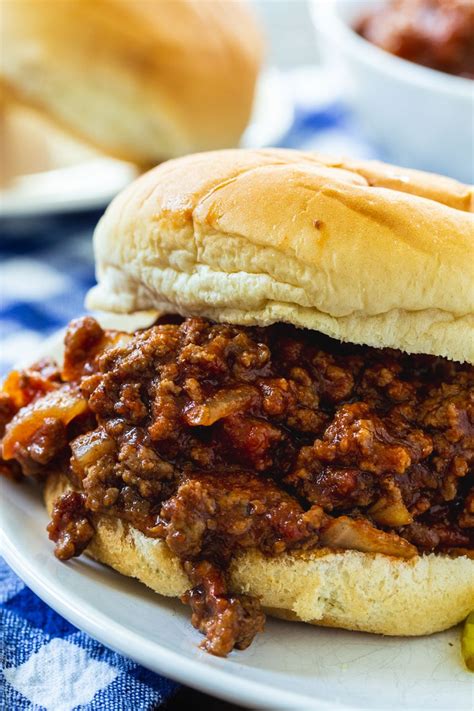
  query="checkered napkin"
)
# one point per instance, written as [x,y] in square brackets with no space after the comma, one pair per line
[46,267]
[49,664]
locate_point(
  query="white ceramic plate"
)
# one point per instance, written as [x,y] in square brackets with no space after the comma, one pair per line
[289,666]
[93,183]
[86,186]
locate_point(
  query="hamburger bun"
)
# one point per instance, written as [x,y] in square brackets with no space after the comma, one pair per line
[142,81]
[361,251]
[346,589]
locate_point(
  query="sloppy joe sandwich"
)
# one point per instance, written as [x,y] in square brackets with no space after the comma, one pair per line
[291,428]
[141,81]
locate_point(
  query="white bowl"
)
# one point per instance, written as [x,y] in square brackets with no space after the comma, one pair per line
[420,118]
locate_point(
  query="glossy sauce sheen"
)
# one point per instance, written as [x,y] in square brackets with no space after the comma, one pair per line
[220,438]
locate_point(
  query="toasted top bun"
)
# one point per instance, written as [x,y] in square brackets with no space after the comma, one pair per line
[143,80]
[361,251]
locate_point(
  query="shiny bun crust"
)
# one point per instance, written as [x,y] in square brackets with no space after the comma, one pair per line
[361,251]
[351,590]
[143,80]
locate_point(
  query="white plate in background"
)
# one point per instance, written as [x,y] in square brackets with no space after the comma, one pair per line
[86,186]
[272,114]
[91,184]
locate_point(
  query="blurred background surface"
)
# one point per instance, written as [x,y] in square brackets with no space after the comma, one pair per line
[301,53]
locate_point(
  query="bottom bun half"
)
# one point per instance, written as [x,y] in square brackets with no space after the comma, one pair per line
[351,590]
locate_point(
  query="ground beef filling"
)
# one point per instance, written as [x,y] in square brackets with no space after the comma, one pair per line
[219,439]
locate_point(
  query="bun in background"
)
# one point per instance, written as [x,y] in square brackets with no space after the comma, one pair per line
[142,80]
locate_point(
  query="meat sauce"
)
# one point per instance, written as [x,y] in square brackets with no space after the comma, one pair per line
[435,33]
[219,439]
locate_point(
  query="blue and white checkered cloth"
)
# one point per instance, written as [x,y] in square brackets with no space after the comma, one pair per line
[49,664]
[46,267]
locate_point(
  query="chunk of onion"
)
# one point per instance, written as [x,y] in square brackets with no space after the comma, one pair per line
[88,448]
[391,512]
[64,404]
[23,386]
[360,535]
[222,404]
